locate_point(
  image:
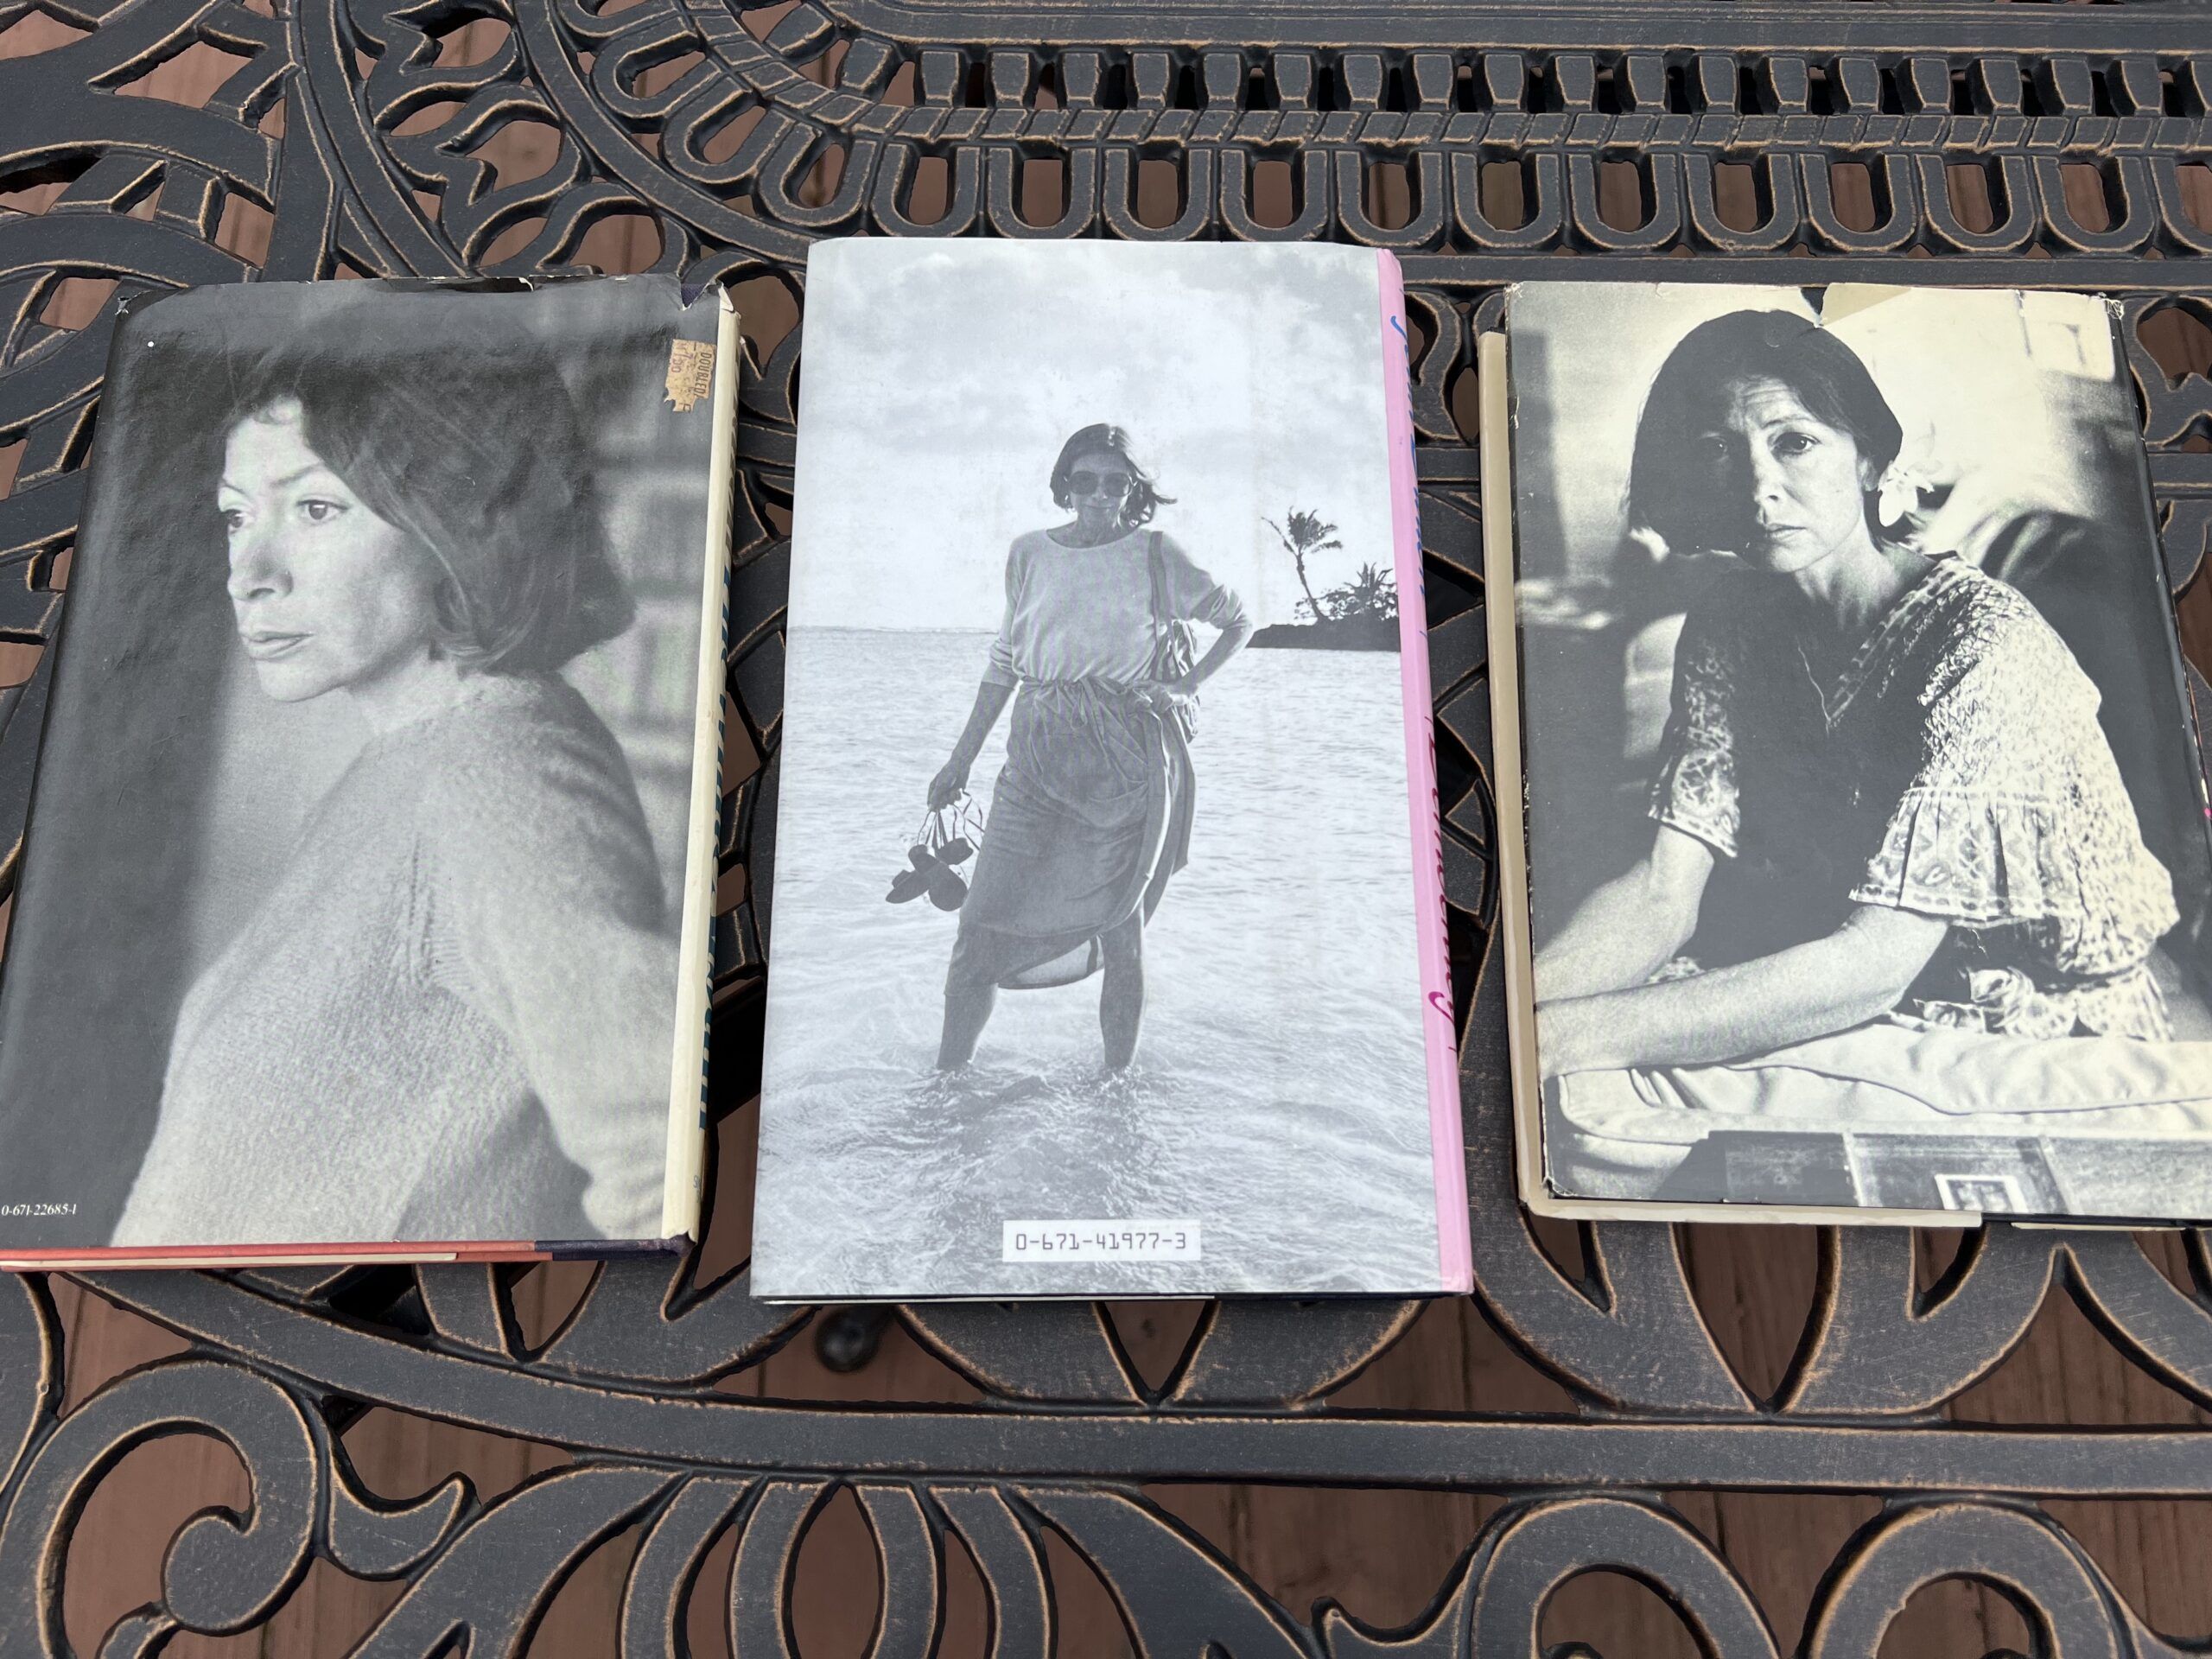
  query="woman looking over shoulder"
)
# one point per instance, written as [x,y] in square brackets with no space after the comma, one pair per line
[1091,814]
[451,1016]
[1885,787]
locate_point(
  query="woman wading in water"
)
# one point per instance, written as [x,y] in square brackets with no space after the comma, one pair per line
[1092,813]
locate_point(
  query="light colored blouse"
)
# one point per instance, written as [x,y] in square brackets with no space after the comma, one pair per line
[453,1017]
[1955,768]
[1086,613]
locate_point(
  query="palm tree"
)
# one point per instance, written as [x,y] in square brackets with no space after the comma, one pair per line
[1302,533]
[1372,593]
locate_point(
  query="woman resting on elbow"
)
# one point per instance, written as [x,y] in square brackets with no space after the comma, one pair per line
[1601,1014]
[1884,786]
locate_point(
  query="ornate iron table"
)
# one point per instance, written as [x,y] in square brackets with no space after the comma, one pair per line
[2025,144]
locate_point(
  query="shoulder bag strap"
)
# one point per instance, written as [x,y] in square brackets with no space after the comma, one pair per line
[1152,559]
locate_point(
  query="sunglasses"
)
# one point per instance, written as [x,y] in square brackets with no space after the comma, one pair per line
[1116,484]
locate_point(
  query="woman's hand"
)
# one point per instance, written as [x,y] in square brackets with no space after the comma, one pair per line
[949,784]
[991,697]
[1167,696]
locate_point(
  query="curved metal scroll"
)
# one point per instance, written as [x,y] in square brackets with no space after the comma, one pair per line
[380,136]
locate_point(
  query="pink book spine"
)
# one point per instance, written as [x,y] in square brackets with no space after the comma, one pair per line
[1454,1251]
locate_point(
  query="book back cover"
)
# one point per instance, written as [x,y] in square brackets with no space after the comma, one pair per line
[367,876]
[1107,952]
[1867,860]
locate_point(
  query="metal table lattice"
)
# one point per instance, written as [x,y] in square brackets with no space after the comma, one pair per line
[714,123]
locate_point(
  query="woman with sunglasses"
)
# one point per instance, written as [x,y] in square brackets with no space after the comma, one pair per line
[1092,813]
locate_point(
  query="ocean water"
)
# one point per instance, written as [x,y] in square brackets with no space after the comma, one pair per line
[1279,1098]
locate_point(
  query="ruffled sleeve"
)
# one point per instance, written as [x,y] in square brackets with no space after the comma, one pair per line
[2017,812]
[1695,792]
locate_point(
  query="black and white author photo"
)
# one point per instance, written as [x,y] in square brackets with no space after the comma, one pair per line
[1092,813]
[1861,795]
[419,976]
[1093,877]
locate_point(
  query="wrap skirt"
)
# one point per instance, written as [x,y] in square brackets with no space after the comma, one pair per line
[1090,817]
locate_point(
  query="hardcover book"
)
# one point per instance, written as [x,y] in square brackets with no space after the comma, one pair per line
[1863,873]
[364,902]
[1109,951]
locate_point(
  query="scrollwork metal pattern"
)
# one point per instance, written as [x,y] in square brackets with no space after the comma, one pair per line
[368,132]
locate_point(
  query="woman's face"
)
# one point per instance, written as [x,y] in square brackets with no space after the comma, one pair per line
[327,594]
[1788,488]
[1098,484]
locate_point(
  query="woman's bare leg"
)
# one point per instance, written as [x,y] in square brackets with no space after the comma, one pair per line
[968,1006]
[1120,1000]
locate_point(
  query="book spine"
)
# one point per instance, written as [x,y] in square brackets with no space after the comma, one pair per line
[1447,1139]
[684,1180]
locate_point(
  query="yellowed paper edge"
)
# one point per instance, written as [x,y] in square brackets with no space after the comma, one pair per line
[687,1102]
[1501,621]
[1841,300]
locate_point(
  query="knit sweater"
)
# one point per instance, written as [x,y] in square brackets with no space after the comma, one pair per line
[453,1019]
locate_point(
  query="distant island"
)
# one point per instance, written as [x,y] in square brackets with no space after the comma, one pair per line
[1332,633]
[1361,615]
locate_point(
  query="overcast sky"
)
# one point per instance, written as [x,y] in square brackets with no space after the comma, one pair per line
[940,379]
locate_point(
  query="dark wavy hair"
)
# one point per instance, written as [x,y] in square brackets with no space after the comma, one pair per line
[1144,498]
[1667,492]
[482,459]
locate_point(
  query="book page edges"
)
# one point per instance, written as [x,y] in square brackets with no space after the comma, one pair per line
[687,1100]
[1502,623]
[1447,1138]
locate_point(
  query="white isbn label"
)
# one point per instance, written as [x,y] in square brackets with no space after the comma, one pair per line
[1100,1241]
